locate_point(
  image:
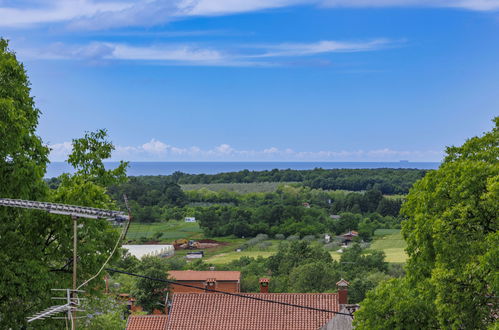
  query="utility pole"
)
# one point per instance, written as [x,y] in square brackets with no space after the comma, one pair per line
[75,212]
[75,256]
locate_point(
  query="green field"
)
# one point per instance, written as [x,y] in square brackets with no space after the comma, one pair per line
[227,257]
[224,258]
[242,188]
[391,242]
[171,230]
[388,240]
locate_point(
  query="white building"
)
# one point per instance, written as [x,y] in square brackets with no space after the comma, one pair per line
[190,219]
[140,251]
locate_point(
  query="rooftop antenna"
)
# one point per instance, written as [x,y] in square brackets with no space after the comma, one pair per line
[75,212]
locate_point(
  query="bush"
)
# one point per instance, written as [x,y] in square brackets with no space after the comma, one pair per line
[280,236]
[293,238]
[309,238]
[264,245]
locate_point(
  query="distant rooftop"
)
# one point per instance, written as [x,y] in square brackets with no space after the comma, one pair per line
[146,322]
[203,275]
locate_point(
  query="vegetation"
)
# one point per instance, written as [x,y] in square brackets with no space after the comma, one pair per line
[391,242]
[36,247]
[452,234]
[388,181]
[242,188]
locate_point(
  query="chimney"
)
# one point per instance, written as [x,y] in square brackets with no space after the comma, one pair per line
[342,286]
[211,283]
[264,285]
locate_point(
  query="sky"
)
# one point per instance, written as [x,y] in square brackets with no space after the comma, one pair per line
[260,80]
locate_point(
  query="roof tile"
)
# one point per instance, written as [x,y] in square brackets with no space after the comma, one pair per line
[218,311]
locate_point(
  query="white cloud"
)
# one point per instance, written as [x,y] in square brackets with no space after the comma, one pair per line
[56,11]
[192,54]
[156,150]
[60,151]
[478,5]
[98,15]
[321,47]
[224,149]
[155,147]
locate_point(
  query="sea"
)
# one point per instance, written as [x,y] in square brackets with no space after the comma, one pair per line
[165,168]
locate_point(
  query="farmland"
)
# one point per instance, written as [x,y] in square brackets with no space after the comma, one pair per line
[242,188]
[391,242]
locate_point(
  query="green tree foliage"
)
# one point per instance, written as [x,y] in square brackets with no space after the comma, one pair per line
[453,245]
[151,295]
[23,158]
[293,254]
[315,276]
[36,247]
[388,181]
[397,305]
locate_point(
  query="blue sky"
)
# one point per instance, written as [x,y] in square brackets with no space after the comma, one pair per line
[257,80]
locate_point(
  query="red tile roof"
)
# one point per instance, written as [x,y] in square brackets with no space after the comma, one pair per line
[215,311]
[203,275]
[147,322]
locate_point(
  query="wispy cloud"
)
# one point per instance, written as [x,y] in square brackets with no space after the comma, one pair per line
[192,54]
[156,150]
[321,47]
[109,14]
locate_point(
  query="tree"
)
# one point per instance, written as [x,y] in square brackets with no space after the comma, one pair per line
[151,295]
[316,276]
[394,304]
[23,159]
[290,255]
[35,247]
[452,242]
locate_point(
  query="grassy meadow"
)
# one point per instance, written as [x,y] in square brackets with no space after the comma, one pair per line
[388,240]
[391,242]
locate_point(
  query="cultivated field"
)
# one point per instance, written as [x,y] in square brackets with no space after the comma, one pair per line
[242,188]
[391,242]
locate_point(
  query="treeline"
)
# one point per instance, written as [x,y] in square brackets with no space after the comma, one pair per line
[386,180]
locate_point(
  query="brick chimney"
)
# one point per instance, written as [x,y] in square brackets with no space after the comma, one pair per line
[264,285]
[342,286]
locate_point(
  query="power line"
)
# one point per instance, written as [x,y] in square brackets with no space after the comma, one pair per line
[120,238]
[228,293]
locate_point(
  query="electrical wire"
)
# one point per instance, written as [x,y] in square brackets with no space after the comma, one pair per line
[120,239]
[228,293]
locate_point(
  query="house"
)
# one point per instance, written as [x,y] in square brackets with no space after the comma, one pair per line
[214,311]
[348,237]
[229,281]
[327,238]
[146,322]
[190,219]
[195,255]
